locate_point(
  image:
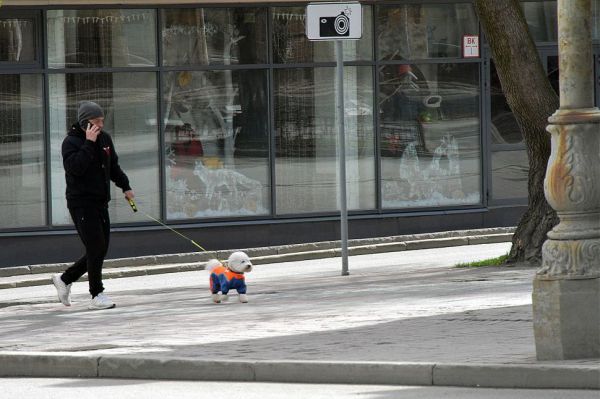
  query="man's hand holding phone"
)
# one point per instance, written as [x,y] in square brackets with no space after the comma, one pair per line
[92,132]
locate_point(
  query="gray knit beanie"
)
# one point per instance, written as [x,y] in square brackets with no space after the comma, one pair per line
[88,110]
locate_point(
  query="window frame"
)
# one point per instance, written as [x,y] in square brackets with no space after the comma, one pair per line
[270,66]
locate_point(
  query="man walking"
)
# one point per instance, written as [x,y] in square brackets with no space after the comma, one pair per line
[90,163]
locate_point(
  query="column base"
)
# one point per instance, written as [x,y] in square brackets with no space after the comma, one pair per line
[570,259]
[566,318]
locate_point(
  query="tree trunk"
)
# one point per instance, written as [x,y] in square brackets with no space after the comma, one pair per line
[532,100]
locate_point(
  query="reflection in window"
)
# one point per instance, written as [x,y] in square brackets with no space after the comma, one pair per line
[306,140]
[214,36]
[419,31]
[542,20]
[216,132]
[129,101]
[22,165]
[101,38]
[290,44]
[504,128]
[509,175]
[430,140]
[553,73]
[17,40]
[596,19]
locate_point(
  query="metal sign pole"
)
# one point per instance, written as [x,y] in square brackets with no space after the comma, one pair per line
[342,146]
[337,22]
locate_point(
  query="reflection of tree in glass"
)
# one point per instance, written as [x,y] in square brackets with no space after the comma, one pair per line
[210,115]
[403,33]
[289,37]
[207,101]
[15,40]
[504,128]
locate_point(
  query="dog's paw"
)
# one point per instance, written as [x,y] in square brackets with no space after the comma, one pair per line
[216,298]
[224,298]
[243,298]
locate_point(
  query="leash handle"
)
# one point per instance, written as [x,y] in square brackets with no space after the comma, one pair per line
[132,204]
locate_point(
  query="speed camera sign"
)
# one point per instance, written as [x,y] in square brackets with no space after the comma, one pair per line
[333,21]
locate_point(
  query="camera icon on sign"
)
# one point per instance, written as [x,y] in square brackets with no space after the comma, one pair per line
[334,26]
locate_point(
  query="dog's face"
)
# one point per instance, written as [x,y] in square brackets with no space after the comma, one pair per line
[239,262]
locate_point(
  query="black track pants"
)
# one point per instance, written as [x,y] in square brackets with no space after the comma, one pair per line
[93,227]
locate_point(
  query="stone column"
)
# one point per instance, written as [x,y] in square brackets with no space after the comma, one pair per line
[566,289]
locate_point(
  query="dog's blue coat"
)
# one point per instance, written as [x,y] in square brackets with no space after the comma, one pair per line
[222,279]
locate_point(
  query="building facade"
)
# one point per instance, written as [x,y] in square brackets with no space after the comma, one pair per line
[223,115]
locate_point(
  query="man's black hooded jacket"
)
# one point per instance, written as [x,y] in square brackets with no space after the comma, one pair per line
[89,168]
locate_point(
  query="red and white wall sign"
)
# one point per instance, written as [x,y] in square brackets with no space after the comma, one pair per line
[470,46]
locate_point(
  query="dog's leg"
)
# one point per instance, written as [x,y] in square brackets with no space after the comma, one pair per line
[216,298]
[243,298]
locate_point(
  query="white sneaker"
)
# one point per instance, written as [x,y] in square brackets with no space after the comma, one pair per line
[62,290]
[243,298]
[101,301]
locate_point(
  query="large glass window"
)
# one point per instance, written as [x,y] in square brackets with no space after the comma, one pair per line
[430,140]
[101,38]
[553,72]
[290,44]
[216,132]
[22,164]
[509,175]
[504,127]
[542,19]
[306,140]
[129,101]
[222,131]
[18,40]
[214,36]
[596,19]
[360,138]
[420,31]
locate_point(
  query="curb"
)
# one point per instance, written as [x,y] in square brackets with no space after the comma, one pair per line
[417,241]
[523,376]
[141,266]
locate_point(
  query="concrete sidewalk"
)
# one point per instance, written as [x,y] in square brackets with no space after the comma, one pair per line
[404,317]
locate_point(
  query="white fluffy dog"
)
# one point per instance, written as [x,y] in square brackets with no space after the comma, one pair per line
[224,278]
